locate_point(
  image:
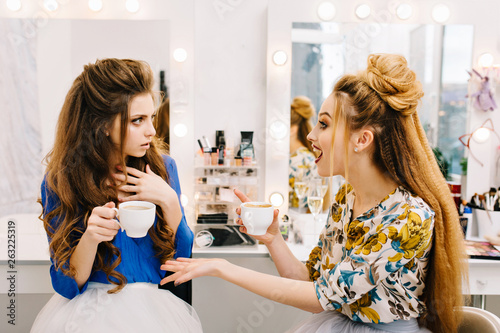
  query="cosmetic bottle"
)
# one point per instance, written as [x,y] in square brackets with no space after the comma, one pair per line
[221,155]
[238,161]
[214,156]
[247,157]
[466,222]
[206,156]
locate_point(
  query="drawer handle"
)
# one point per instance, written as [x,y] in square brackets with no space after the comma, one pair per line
[481,283]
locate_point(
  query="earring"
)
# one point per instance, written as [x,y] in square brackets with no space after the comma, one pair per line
[356,149]
[107,133]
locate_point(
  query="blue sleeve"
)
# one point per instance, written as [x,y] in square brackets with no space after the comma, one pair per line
[184,237]
[64,285]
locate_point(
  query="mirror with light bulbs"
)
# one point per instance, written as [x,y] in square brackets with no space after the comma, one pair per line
[440,56]
[324,39]
[43,64]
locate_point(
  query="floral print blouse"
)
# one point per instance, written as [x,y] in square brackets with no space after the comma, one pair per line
[373,268]
[301,164]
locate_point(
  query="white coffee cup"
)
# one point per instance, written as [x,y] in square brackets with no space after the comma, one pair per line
[136,217]
[257,217]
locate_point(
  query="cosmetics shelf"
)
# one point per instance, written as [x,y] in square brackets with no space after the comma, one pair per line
[215,201]
[233,167]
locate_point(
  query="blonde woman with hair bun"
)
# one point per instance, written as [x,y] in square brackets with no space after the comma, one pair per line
[301,165]
[391,256]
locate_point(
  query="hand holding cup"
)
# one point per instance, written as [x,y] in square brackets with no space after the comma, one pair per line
[272,228]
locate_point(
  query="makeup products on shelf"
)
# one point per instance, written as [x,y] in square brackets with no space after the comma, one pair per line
[214,156]
[224,153]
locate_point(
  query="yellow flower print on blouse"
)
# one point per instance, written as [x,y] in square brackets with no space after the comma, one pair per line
[314,257]
[374,243]
[336,212]
[355,234]
[413,238]
[373,269]
[341,194]
[363,306]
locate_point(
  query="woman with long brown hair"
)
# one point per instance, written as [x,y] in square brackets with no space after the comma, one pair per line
[106,153]
[391,257]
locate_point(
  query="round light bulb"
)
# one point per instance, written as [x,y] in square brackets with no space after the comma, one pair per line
[180,130]
[132,6]
[180,55]
[50,5]
[481,135]
[404,11]
[278,130]
[276,199]
[184,200]
[363,11]
[280,58]
[14,5]
[326,11]
[440,13]
[95,5]
[486,60]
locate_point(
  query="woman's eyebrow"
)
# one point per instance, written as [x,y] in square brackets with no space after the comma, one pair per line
[325,114]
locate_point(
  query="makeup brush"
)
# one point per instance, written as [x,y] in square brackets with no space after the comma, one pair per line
[482,199]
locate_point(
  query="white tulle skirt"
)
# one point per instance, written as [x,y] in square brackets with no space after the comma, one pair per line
[139,307]
[333,321]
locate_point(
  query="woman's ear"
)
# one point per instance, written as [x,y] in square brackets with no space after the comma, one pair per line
[363,139]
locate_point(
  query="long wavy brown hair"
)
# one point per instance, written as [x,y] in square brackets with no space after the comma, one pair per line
[385,97]
[162,121]
[79,165]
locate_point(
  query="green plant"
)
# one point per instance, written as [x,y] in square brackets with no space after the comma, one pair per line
[442,162]
[463,164]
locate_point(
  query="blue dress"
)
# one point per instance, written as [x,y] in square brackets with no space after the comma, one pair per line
[139,263]
[140,306]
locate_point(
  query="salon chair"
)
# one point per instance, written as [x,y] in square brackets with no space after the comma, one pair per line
[477,320]
[183,291]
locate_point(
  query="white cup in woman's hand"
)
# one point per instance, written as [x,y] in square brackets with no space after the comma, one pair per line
[257,217]
[136,217]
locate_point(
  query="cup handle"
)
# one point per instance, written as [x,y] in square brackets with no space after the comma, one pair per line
[116,219]
[249,224]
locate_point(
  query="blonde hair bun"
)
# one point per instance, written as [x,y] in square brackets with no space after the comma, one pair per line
[396,84]
[303,106]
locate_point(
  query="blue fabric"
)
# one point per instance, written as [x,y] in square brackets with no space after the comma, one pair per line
[138,262]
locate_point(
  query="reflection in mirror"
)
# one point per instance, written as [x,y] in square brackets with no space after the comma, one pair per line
[40,66]
[440,56]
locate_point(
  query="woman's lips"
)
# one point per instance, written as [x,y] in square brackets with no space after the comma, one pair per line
[319,157]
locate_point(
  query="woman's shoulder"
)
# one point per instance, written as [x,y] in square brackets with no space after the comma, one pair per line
[408,201]
[169,162]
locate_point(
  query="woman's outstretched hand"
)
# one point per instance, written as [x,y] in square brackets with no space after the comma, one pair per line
[186,269]
[272,232]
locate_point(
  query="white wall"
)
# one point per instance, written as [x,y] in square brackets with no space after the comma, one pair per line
[65,46]
[230,72]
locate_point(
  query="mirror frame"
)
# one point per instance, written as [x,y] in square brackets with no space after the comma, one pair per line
[479,14]
[180,15]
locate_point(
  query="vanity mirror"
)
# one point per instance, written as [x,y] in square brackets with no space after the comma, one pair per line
[44,50]
[318,52]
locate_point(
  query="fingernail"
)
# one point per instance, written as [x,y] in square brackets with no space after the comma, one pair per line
[176,283]
[119,167]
